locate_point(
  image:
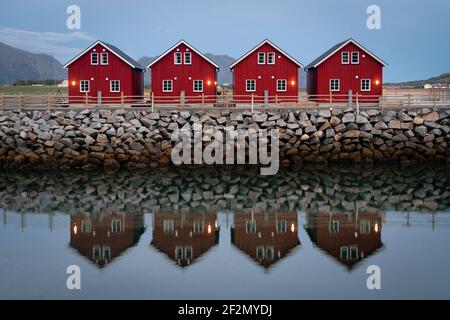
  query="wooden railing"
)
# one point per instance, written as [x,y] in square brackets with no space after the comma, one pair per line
[229,101]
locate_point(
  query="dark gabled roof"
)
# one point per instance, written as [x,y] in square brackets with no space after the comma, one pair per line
[119,53]
[336,48]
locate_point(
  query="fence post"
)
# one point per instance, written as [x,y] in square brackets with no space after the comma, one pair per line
[409,101]
[357,103]
[153,101]
[253,101]
[2,101]
[203,100]
[20,101]
[121,99]
[434,101]
[381,103]
[331,98]
[276,99]
[48,102]
[86,101]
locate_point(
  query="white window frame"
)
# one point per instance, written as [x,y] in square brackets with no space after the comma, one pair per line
[370,85]
[188,54]
[261,58]
[278,85]
[247,85]
[88,86]
[113,230]
[357,55]
[179,253]
[94,248]
[353,248]
[104,54]
[335,226]
[338,85]
[281,226]
[194,88]
[177,55]
[364,226]
[94,54]
[171,85]
[111,85]
[85,226]
[271,54]
[104,249]
[342,250]
[198,226]
[348,57]
[270,253]
[168,226]
[261,249]
[187,249]
[250,226]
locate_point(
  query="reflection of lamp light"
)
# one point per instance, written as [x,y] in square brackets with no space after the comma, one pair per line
[209,229]
[356,234]
[292,228]
[73,83]
[376,227]
[75,229]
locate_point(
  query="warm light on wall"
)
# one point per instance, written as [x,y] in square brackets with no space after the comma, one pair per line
[209,83]
[75,229]
[293,83]
[73,83]
[376,227]
[209,229]
[377,82]
[292,228]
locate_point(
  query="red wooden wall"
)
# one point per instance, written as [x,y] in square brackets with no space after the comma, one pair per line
[131,80]
[183,77]
[266,77]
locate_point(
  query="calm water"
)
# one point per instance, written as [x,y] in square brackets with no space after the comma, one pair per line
[209,234]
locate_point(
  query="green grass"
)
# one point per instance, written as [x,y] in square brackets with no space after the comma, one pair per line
[30,90]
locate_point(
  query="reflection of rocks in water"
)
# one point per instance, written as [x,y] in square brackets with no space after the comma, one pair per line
[348,237]
[265,237]
[101,238]
[325,189]
[184,237]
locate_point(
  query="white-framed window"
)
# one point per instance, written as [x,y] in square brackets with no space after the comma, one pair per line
[354,252]
[282,85]
[104,58]
[114,85]
[345,57]
[198,85]
[177,59]
[271,58]
[281,226]
[94,58]
[364,226]
[179,252]
[106,253]
[198,226]
[188,253]
[344,253]
[116,225]
[260,252]
[84,86]
[261,58]
[365,84]
[355,57]
[335,85]
[250,226]
[250,85]
[334,226]
[85,226]
[167,85]
[168,226]
[96,251]
[187,58]
[270,253]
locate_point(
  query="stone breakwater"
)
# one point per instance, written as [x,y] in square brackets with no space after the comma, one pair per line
[92,139]
[314,188]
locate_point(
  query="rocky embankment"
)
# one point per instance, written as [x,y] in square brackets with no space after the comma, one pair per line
[316,189]
[92,139]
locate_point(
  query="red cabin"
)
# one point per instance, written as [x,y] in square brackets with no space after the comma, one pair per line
[267,73]
[347,66]
[106,71]
[183,73]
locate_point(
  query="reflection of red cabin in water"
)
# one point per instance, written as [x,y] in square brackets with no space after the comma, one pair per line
[184,237]
[265,237]
[101,238]
[346,66]
[104,68]
[348,238]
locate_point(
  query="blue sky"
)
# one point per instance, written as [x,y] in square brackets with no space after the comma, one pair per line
[414,39]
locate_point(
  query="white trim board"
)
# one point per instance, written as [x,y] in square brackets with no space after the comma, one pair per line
[266,41]
[187,45]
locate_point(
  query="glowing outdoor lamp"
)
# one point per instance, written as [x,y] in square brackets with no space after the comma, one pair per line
[377,82]
[293,83]
[209,82]
[73,83]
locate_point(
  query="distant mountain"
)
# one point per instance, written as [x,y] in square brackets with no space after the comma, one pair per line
[223,61]
[441,79]
[16,64]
